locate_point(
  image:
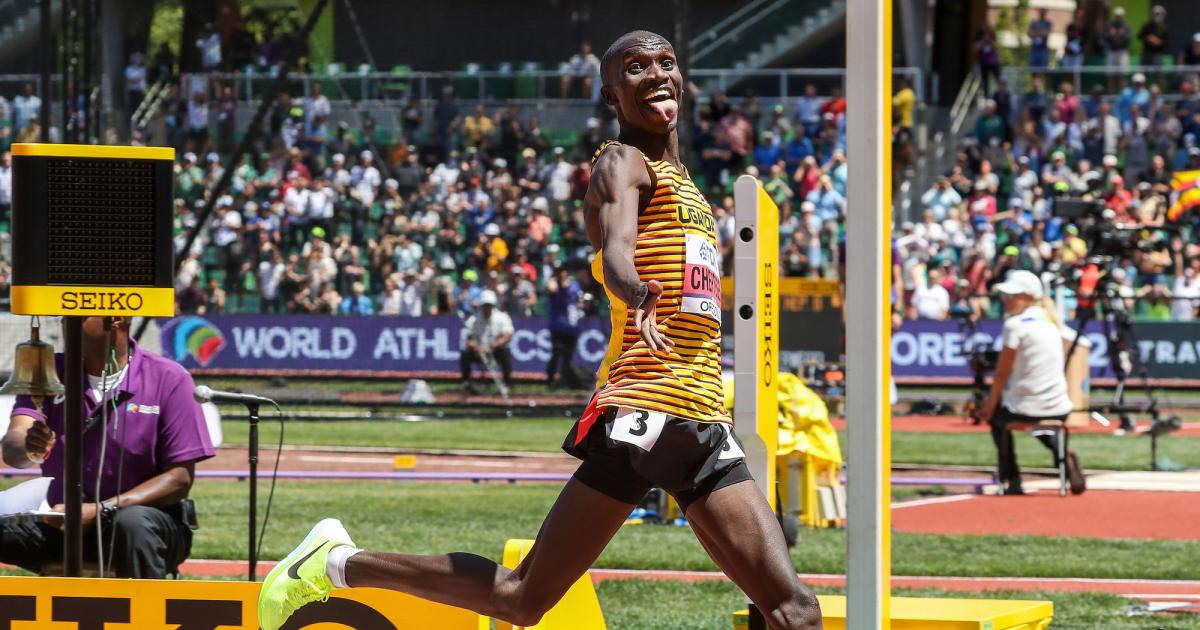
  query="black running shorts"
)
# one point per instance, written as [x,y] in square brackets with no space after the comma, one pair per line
[626,452]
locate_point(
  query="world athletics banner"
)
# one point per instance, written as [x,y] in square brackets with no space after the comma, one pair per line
[402,346]
[430,346]
[933,349]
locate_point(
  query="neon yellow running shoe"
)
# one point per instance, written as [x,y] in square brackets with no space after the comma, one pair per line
[300,578]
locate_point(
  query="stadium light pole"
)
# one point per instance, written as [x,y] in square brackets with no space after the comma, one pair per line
[868,313]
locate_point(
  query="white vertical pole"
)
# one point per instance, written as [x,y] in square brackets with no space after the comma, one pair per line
[868,287]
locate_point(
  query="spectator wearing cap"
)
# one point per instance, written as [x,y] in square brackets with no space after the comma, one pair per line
[1190,55]
[466,295]
[1029,385]
[414,292]
[558,177]
[1134,94]
[1024,180]
[189,178]
[541,226]
[492,248]
[1154,36]
[487,335]
[365,178]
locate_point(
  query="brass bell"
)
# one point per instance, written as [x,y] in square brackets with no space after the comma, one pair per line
[33,370]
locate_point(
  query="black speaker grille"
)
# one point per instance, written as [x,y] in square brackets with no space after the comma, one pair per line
[100,222]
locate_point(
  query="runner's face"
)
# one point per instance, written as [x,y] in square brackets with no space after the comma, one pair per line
[647,87]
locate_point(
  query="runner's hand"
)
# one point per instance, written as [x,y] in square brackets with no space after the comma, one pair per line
[646,321]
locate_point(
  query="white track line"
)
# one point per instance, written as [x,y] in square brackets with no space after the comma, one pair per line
[932,501]
[346,459]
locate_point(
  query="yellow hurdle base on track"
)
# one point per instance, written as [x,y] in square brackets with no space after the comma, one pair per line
[27,603]
[922,613]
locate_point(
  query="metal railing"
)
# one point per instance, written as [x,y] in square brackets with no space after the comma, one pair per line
[492,85]
[965,102]
[714,32]
[1081,78]
[736,30]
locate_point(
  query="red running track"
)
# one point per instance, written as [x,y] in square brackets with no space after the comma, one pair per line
[1094,514]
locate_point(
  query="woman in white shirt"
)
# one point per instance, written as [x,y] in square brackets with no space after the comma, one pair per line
[1030,384]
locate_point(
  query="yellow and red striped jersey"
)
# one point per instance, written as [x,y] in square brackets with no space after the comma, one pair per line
[676,245]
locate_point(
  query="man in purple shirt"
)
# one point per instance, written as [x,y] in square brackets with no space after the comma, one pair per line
[156,434]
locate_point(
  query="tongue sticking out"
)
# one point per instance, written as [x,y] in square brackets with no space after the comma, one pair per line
[666,109]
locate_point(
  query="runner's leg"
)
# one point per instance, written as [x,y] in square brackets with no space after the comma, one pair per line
[576,530]
[737,528]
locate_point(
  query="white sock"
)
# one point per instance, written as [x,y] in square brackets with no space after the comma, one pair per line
[335,564]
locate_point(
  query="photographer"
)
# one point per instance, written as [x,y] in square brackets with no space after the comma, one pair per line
[1030,384]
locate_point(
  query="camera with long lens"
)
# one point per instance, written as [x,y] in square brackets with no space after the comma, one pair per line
[1102,234]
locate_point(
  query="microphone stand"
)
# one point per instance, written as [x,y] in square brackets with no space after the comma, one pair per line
[252,459]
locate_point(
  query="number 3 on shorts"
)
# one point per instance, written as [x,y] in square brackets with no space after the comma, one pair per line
[638,427]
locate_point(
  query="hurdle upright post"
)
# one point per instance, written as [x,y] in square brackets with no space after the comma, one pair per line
[756,337]
[868,313]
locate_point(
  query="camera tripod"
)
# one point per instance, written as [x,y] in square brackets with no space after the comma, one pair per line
[1122,352]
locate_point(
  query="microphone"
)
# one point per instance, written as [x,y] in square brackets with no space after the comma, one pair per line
[205,394]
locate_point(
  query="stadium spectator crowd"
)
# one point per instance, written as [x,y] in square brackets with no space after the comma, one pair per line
[319,218]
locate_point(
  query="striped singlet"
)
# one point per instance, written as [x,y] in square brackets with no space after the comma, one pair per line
[676,245]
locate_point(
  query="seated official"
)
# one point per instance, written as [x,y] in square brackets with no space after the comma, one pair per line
[1030,384]
[156,434]
[488,334]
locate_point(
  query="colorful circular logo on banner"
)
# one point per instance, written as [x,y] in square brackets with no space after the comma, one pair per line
[195,337]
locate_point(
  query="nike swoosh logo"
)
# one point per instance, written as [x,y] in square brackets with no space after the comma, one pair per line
[293,571]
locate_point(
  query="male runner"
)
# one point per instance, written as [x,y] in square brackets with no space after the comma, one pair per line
[656,420]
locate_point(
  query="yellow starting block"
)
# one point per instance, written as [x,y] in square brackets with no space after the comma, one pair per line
[919,613]
[27,603]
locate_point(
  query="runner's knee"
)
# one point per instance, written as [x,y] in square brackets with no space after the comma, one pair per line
[800,611]
[520,605]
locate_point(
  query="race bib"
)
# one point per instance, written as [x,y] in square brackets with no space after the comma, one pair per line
[637,427]
[730,449]
[701,278]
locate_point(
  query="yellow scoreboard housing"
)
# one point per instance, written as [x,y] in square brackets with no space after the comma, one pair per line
[92,230]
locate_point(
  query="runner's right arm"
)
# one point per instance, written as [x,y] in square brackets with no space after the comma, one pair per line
[613,196]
